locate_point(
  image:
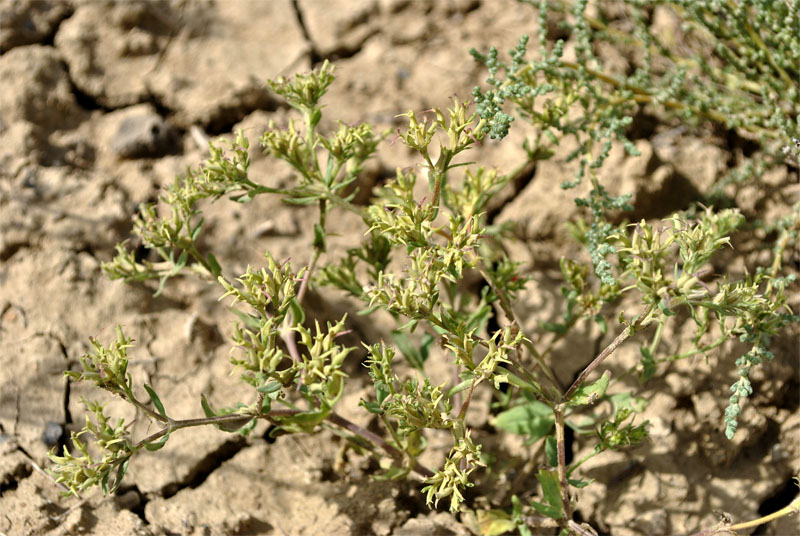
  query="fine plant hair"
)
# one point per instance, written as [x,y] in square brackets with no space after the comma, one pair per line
[736,66]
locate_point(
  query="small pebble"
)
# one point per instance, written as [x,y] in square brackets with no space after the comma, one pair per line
[142,136]
[52,434]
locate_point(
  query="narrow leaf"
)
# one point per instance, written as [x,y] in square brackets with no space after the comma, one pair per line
[555,328]
[196,231]
[182,260]
[601,323]
[463,386]
[271,387]
[372,407]
[123,468]
[319,237]
[407,348]
[206,408]
[579,483]
[152,447]
[648,364]
[298,313]
[216,269]
[156,401]
[249,320]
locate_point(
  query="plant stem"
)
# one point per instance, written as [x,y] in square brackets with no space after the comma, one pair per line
[558,411]
[583,460]
[377,440]
[465,405]
[622,337]
[689,353]
[187,423]
[301,293]
[128,395]
[505,304]
[792,508]
[245,417]
[578,529]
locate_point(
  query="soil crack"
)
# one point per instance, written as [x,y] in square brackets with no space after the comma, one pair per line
[314,55]
[207,465]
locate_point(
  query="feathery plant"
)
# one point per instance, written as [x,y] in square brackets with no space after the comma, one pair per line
[746,81]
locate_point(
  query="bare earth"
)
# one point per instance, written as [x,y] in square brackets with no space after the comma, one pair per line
[103,103]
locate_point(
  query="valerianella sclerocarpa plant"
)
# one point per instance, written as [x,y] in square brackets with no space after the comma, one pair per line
[737,66]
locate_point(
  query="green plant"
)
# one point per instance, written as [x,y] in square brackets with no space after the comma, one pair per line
[294,367]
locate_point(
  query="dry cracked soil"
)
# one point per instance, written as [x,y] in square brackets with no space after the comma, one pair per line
[103,103]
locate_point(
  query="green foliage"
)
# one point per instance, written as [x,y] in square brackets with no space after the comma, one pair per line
[533,419]
[416,254]
[735,63]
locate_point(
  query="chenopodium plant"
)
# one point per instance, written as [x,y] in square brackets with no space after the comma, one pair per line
[295,371]
[730,63]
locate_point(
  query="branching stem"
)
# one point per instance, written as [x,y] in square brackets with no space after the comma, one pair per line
[334,418]
[622,337]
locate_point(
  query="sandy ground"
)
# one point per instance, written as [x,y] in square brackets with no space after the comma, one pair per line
[97,108]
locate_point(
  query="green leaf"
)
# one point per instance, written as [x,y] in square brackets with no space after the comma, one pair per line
[196,231]
[372,407]
[551,450]
[319,237]
[664,309]
[152,447]
[161,284]
[425,346]
[579,483]
[303,422]
[552,512]
[216,269]
[601,323]
[479,318]
[551,491]
[242,426]
[182,260]
[298,313]
[310,200]
[104,483]
[555,328]
[494,522]
[648,364]
[623,401]
[516,381]
[206,408]
[413,355]
[381,391]
[123,468]
[156,401]
[411,325]
[533,419]
[271,387]
[517,516]
[368,310]
[589,394]
[391,473]
[248,320]
[463,386]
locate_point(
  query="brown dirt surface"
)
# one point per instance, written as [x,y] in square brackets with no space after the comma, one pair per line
[101,105]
